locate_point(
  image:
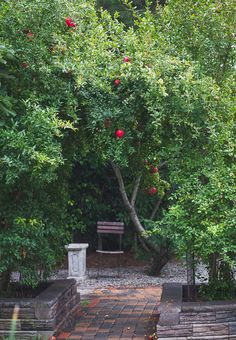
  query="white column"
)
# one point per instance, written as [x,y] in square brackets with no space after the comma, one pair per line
[77,260]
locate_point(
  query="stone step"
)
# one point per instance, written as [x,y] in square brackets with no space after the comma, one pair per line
[6,324]
[26,335]
[24,312]
[213,337]
[203,317]
[198,331]
[207,317]
[213,329]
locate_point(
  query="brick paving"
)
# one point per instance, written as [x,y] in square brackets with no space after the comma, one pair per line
[114,314]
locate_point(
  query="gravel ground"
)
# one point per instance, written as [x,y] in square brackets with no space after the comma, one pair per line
[131,277]
[174,271]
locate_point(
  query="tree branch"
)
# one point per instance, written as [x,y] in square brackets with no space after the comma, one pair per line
[135,191]
[162,164]
[142,241]
[133,214]
[155,209]
[121,186]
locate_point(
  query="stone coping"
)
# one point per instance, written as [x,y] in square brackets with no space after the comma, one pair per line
[209,306]
[194,320]
[43,315]
[48,296]
[76,246]
[171,303]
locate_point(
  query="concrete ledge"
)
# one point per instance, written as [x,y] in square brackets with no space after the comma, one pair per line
[194,320]
[209,306]
[201,338]
[43,315]
[170,306]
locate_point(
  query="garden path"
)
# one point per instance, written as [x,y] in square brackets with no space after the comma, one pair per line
[130,313]
[121,308]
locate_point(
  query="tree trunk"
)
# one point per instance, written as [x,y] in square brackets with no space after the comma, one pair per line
[5,280]
[190,263]
[160,254]
[159,260]
[213,266]
[225,272]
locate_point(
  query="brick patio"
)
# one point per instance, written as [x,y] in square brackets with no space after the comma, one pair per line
[117,314]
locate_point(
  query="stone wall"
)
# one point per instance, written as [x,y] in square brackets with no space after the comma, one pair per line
[42,316]
[194,320]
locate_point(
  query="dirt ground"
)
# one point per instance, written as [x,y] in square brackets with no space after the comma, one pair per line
[127,260]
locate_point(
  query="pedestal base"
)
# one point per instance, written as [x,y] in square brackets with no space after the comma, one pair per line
[77,261]
[78,279]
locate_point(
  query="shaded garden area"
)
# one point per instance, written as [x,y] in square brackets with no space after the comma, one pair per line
[128,118]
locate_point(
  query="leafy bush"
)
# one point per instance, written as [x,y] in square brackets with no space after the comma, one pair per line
[34,96]
[76,77]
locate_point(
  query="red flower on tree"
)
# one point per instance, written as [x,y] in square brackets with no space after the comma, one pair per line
[126,59]
[25,65]
[153,169]
[152,191]
[69,22]
[30,36]
[117,82]
[119,133]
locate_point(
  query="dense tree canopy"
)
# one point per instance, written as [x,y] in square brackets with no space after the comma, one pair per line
[153,102]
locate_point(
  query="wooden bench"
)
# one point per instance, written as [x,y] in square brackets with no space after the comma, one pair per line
[109,228]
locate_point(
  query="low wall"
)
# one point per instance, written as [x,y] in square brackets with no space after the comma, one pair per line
[194,320]
[43,315]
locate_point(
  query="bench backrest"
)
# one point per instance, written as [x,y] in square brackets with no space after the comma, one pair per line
[110,227]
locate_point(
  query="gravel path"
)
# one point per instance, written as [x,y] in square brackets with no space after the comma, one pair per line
[131,277]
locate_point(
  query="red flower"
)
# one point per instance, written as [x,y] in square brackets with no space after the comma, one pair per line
[69,22]
[30,36]
[153,169]
[126,59]
[119,133]
[152,191]
[25,65]
[117,82]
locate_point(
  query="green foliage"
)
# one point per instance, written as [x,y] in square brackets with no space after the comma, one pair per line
[37,116]
[204,30]
[218,289]
[174,102]
[6,102]
[201,155]
[27,244]
[30,146]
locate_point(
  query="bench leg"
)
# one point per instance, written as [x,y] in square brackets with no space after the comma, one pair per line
[119,265]
[99,264]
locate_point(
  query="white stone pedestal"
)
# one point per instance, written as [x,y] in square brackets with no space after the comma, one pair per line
[77,260]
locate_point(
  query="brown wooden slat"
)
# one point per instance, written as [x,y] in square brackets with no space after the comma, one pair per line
[110,229]
[110,223]
[110,251]
[107,227]
[102,231]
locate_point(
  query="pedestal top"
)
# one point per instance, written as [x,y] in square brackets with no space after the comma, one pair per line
[77,246]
